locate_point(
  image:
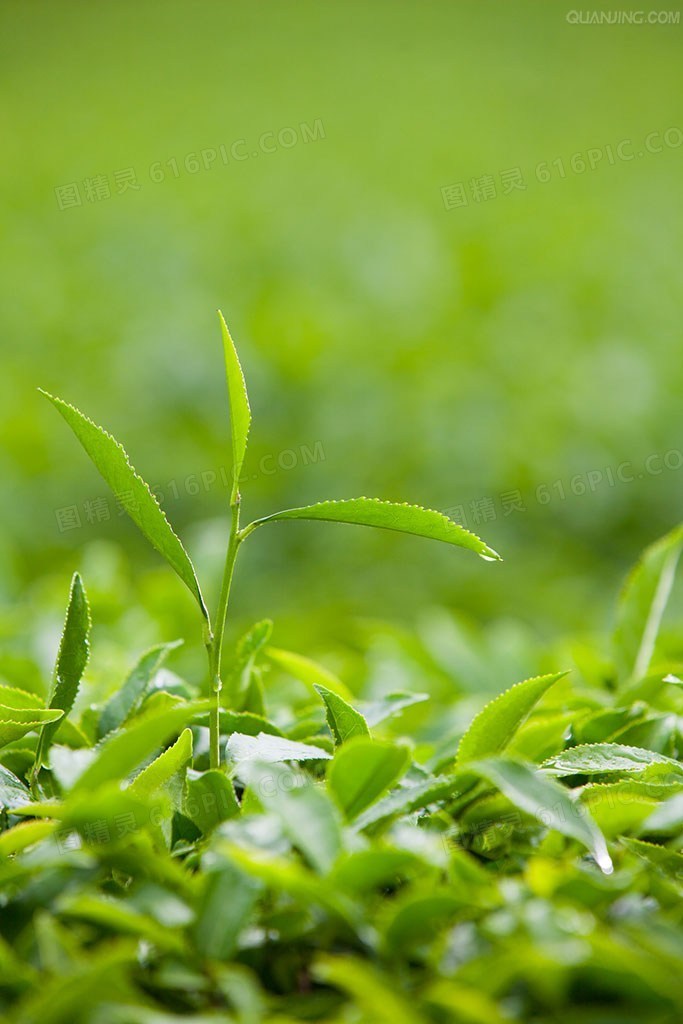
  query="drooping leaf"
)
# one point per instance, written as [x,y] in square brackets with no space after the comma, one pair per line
[117,755]
[344,721]
[74,649]
[496,724]
[307,815]
[387,515]
[642,604]
[112,462]
[240,413]
[307,671]
[271,749]
[362,770]
[128,697]
[603,758]
[545,799]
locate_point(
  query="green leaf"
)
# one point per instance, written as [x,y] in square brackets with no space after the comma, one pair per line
[129,697]
[667,819]
[240,414]
[23,835]
[307,671]
[112,461]
[418,916]
[642,604]
[13,792]
[120,918]
[545,799]
[362,770]
[376,711]
[411,798]
[209,799]
[159,773]
[378,999]
[74,649]
[16,722]
[225,908]
[496,724]
[344,721]
[305,811]
[12,697]
[119,754]
[235,691]
[271,749]
[602,758]
[404,518]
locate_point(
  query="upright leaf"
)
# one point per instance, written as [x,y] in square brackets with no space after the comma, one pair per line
[308,817]
[129,696]
[240,413]
[160,772]
[642,603]
[344,721]
[545,799]
[72,657]
[112,461]
[495,725]
[119,754]
[386,515]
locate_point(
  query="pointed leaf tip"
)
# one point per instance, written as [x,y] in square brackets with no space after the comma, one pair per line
[111,459]
[240,413]
[388,515]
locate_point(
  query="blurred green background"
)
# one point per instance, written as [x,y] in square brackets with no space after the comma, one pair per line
[405,332]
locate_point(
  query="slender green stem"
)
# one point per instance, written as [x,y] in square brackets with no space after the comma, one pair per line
[215,645]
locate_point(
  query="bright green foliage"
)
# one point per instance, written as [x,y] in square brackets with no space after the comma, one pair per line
[74,649]
[497,723]
[642,605]
[128,697]
[345,850]
[112,461]
[421,522]
[362,770]
[344,721]
[545,799]
[240,414]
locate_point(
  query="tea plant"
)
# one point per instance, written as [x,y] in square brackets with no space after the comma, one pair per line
[112,462]
[211,853]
